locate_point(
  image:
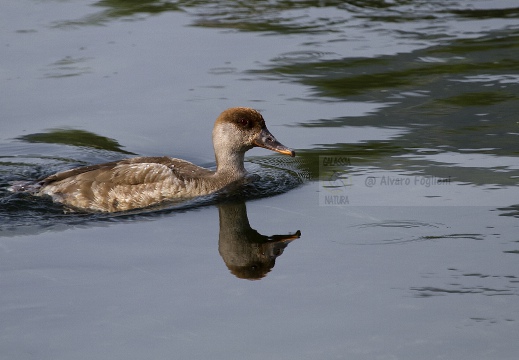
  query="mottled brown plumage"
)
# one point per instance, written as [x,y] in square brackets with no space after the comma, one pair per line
[144,181]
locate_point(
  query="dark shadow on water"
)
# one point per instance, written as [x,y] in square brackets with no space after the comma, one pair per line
[260,16]
[455,100]
[275,17]
[119,9]
[512,211]
[75,137]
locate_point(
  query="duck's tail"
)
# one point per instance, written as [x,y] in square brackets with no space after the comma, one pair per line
[25,186]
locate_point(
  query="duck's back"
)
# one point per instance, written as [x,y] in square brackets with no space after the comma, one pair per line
[126,184]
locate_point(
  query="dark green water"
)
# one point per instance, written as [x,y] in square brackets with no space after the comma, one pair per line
[405,188]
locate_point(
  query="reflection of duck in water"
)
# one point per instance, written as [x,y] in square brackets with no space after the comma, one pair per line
[144,181]
[247,253]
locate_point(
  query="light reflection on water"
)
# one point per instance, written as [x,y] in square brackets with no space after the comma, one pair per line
[410,89]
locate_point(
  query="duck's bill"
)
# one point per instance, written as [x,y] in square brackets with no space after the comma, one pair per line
[266,140]
[285,238]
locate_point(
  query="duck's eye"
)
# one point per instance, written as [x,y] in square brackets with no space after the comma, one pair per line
[244,122]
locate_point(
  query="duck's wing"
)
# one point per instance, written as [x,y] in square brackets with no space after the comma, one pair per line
[130,171]
[121,185]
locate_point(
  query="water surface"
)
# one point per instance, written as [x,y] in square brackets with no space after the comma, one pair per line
[404,190]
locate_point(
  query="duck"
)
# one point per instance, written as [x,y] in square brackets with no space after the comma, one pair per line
[141,182]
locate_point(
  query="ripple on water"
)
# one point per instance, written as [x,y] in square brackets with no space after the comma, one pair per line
[398,232]
[405,224]
[303,56]
[474,283]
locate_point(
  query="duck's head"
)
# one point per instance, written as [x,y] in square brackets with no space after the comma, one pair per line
[239,129]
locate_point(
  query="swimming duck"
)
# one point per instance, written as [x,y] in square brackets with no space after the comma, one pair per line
[143,181]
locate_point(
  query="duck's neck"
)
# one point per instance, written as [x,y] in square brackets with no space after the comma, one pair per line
[228,152]
[229,164]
